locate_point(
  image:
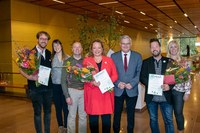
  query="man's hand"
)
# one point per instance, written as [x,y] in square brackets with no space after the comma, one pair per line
[128,86]
[33,77]
[165,87]
[121,85]
[69,101]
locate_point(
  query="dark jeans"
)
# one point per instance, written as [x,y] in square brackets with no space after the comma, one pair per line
[41,99]
[178,104]
[94,123]
[167,113]
[60,105]
[130,108]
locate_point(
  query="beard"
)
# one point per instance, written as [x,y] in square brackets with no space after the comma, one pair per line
[156,53]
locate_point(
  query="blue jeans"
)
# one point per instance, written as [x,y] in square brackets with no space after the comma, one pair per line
[41,99]
[178,104]
[60,105]
[167,113]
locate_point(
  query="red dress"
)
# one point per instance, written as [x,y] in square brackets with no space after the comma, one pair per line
[96,103]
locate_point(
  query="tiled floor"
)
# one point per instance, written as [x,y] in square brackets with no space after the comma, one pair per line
[16,115]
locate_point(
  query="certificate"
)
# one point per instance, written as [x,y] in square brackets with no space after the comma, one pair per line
[43,76]
[105,81]
[154,84]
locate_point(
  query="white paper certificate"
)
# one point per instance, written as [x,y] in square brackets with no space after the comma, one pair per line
[43,76]
[105,81]
[154,84]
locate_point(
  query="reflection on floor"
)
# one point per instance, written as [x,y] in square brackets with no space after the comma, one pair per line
[17,115]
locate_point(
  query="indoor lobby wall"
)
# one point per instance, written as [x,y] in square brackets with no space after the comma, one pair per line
[27,19]
[5,37]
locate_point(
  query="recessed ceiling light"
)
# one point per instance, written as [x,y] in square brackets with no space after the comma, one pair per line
[146,27]
[156,31]
[58,1]
[119,12]
[126,21]
[185,15]
[175,21]
[107,3]
[142,13]
[170,27]
[195,26]
[151,24]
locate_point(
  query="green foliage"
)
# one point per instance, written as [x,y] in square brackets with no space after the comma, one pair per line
[105,29]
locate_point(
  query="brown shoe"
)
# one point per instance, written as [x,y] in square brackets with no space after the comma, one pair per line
[60,129]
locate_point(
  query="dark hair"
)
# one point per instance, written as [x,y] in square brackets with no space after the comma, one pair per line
[90,50]
[154,40]
[53,52]
[43,32]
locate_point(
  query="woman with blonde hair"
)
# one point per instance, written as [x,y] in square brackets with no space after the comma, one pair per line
[181,91]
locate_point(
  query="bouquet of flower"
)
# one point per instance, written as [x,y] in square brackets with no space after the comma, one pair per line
[84,74]
[28,61]
[177,73]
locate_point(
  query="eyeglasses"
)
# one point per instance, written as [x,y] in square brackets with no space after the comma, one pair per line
[125,43]
[43,39]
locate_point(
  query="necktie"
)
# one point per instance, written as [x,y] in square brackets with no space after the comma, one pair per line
[125,62]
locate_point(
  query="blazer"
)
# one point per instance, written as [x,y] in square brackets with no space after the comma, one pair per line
[130,76]
[148,68]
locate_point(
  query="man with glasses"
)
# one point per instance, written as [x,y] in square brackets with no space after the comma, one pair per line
[41,96]
[128,64]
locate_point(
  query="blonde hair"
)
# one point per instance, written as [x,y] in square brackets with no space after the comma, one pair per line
[178,55]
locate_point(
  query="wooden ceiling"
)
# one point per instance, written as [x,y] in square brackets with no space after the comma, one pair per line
[166,17]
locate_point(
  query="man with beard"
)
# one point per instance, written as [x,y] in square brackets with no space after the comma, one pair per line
[41,96]
[157,64]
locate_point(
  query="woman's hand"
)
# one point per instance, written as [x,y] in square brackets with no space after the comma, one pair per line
[186,97]
[95,83]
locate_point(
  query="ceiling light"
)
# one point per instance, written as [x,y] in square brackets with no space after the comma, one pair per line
[156,31]
[107,3]
[119,12]
[58,1]
[151,24]
[175,21]
[185,15]
[146,27]
[142,13]
[126,21]
[165,6]
[195,26]
[170,27]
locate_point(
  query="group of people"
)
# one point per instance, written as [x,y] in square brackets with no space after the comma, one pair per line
[125,68]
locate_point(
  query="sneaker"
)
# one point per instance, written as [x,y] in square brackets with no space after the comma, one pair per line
[60,129]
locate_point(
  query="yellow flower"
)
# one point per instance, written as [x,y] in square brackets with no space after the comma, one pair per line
[17,59]
[85,70]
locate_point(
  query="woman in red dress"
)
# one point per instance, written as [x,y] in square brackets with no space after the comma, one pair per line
[96,103]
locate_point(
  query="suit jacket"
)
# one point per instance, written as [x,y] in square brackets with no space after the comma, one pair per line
[130,76]
[148,68]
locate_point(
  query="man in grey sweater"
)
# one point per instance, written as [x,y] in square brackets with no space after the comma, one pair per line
[73,91]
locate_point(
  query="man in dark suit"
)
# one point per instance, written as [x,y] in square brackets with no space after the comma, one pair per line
[157,64]
[41,96]
[128,64]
